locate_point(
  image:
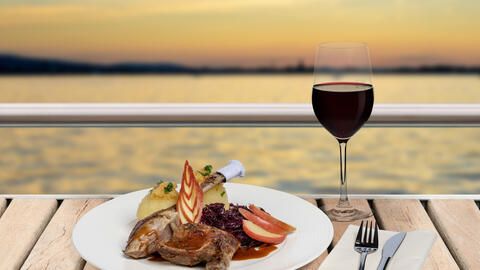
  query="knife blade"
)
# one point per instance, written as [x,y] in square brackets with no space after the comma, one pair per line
[390,248]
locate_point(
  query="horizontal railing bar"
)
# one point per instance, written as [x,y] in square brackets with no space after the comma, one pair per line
[223,114]
[314,196]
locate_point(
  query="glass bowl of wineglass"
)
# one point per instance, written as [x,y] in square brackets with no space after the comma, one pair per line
[342,99]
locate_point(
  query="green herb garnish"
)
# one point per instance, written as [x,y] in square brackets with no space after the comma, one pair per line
[223,193]
[207,170]
[168,188]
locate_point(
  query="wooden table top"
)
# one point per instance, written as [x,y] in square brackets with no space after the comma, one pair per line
[35,232]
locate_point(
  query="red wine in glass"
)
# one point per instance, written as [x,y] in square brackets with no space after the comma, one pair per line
[342,99]
[342,107]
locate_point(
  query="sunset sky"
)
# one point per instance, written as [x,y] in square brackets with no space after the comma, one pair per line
[241,32]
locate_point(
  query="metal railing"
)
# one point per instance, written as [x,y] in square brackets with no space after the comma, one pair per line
[222,114]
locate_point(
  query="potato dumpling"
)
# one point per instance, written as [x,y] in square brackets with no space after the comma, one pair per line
[165,195]
[162,196]
[217,194]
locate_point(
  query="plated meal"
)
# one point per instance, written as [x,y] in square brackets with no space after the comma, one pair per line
[203,221]
[197,225]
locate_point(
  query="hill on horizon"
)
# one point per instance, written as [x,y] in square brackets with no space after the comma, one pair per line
[16,64]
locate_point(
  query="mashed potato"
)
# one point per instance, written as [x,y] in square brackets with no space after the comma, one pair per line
[165,195]
[217,194]
[162,196]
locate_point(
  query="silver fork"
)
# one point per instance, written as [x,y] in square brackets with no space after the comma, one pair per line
[368,243]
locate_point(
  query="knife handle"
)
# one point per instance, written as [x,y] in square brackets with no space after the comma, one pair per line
[383,263]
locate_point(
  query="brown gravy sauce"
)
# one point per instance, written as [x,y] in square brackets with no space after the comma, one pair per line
[253,253]
[192,241]
[240,255]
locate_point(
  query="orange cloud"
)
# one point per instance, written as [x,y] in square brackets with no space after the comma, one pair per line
[246,32]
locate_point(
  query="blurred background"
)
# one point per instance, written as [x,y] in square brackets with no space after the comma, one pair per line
[234,51]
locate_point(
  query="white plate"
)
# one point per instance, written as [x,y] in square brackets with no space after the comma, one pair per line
[101,234]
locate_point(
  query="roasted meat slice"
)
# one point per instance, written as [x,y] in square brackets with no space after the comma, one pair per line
[148,232]
[192,244]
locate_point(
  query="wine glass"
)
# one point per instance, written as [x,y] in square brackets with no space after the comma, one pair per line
[342,99]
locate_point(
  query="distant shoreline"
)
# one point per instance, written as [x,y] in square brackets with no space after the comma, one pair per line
[87,74]
[21,65]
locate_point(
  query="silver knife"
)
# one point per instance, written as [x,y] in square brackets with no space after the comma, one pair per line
[390,248]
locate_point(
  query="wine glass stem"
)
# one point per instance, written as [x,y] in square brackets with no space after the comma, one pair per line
[343,201]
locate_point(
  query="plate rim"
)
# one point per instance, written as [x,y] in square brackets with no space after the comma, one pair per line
[328,230]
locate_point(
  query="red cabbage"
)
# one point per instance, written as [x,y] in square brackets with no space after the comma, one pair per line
[229,220]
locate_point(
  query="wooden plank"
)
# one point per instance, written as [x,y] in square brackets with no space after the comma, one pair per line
[20,226]
[313,265]
[90,267]
[459,224]
[408,215]
[340,227]
[54,249]
[3,205]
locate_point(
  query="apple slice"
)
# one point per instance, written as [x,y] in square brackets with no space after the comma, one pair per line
[199,197]
[182,214]
[190,197]
[261,222]
[269,218]
[185,213]
[259,234]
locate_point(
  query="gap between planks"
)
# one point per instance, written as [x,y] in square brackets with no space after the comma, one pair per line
[28,216]
[409,215]
[397,215]
[457,220]
[54,248]
[339,227]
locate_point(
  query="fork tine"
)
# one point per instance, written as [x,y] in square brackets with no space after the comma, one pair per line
[370,234]
[375,236]
[359,234]
[365,233]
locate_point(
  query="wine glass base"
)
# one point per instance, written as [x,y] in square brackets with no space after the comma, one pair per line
[346,214]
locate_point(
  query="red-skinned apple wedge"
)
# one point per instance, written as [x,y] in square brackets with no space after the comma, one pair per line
[270,227]
[269,218]
[259,234]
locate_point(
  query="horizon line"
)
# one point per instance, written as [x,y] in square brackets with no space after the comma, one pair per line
[22,64]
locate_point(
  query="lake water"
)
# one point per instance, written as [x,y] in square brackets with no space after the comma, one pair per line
[302,160]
